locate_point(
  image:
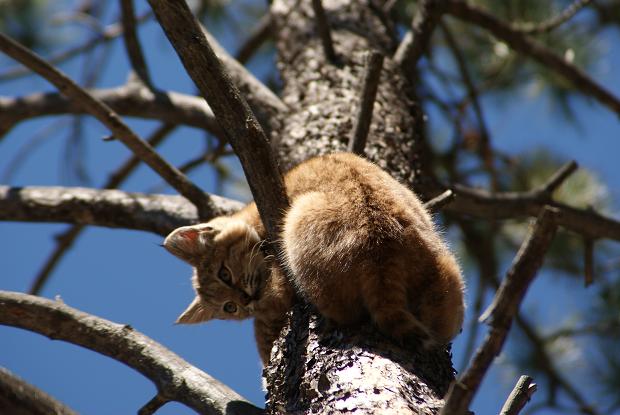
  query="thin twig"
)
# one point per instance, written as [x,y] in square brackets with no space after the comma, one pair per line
[174,377]
[502,311]
[111,32]
[520,395]
[555,21]
[559,177]
[484,149]
[153,405]
[66,239]
[372,74]
[322,26]
[132,43]
[546,361]
[438,202]
[259,35]
[536,50]
[416,41]
[238,122]
[111,120]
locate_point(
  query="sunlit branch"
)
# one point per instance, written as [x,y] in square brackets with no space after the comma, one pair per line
[174,378]
[243,131]
[111,120]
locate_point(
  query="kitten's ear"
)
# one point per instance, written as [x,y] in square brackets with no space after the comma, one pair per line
[195,313]
[187,242]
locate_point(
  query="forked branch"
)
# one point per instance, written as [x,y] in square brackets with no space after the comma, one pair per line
[238,122]
[112,121]
[535,50]
[503,310]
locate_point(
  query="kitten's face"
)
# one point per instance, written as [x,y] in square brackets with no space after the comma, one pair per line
[229,268]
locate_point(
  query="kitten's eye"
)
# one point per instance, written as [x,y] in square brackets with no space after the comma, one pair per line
[224,274]
[230,307]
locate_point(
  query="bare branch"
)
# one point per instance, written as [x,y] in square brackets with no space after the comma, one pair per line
[259,35]
[322,27]
[559,177]
[18,397]
[416,41]
[520,395]
[438,202]
[535,50]
[153,405]
[66,239]
[546,360]
[484,149]
[131,100]
[480,203]
[238,122]
[174,378]
[264,103]
[110,208]
[132,44]
[374,64]
[111,120]
[502,311]
[555,21]
[111,32]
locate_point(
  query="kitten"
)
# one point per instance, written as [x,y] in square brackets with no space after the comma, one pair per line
[359,245]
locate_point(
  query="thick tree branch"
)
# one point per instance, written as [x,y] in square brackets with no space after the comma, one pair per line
[503,310]
[174,378]
[131,100]
[111,120]
[535,50]
[238,122]
[110,208]
[266,105]
[18,397]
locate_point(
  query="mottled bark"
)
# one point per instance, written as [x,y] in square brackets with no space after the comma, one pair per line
[315,368]
[323,98]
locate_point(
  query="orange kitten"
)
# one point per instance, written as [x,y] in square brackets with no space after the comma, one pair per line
[360,246]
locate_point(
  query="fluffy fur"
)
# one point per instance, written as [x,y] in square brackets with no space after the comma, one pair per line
[360,246]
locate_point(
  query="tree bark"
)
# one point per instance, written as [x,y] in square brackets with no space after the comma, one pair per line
[315,368]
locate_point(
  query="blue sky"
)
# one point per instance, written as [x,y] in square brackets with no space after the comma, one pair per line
[126,277]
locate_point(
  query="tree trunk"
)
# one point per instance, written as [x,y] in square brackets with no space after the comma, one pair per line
[314,368]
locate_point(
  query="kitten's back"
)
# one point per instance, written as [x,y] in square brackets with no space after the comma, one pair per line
[359,243]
